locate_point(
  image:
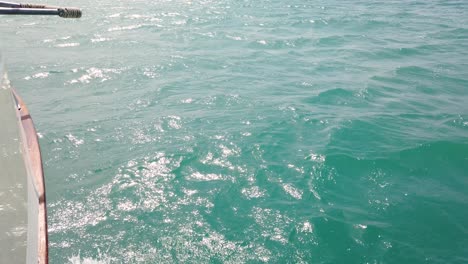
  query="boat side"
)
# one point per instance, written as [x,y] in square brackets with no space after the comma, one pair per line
[37,210]
[23,215]
[13,182]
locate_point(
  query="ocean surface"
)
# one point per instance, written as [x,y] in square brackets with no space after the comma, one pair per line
[250,131]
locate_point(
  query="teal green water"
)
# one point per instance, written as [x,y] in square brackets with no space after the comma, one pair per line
[222,131]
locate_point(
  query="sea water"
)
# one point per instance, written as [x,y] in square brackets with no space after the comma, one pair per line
[225,131]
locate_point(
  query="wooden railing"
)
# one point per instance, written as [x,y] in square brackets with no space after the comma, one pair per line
[33,162]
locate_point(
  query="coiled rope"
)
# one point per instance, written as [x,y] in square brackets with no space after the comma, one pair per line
[69,13]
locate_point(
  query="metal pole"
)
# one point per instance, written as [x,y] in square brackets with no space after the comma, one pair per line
[62,12]
[28,11]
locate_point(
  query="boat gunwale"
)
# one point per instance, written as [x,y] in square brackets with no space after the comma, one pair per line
[33,160]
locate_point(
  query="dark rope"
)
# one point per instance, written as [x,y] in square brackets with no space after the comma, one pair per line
[31,6]
[69,13]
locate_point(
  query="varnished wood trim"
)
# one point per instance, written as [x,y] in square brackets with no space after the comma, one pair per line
[33,156]
[25,116]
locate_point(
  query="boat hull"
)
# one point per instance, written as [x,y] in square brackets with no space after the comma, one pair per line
[33,160]
[23,213]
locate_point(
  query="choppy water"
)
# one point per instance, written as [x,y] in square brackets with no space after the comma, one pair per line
[223,131]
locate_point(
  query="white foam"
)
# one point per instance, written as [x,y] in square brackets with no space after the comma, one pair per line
[125,28]
[291,190]
[40,75]
[306,227]
[99,39]
[253,192]
[78,260]
[66,45]
[74,140]
[205,177]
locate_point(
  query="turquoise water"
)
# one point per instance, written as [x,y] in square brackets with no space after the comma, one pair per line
[222,131]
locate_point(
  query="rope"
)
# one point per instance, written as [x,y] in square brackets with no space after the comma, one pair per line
[31,6]
[69,13]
